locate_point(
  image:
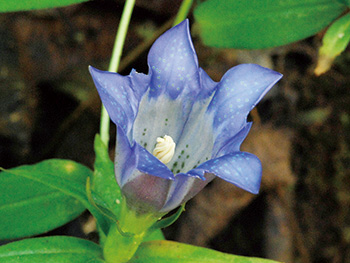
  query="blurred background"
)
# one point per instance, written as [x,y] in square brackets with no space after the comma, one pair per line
[49,108]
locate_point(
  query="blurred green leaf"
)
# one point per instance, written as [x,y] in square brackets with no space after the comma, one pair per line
[345,2]
[315,116]
[171,252]
[29,207]
[334,42]
[66,176]
[56,249]
[25,5]
[259,24]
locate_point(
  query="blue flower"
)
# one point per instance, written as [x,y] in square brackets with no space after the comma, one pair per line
[196,124]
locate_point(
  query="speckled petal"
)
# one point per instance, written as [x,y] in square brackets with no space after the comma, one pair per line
[234,144]
[147,163]
[125,158]
[120,95]
[240,89]
[239,168]
[173,64]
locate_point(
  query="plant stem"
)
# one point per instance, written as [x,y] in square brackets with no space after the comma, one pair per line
[183,11]
[114,63]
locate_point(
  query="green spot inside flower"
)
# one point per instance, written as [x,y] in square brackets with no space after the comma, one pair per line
[187,156]
[186,145]
[183,165]
[182,152]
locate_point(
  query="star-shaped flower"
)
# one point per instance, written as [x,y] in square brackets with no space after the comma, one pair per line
[176,128]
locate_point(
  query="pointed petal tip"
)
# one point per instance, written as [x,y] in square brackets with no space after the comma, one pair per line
[239,168]
[94,71]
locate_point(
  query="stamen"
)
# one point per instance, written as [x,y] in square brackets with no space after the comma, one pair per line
[165,149]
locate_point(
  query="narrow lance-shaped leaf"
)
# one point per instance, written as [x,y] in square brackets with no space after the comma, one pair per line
[174,252]
[56,249]
[25,5]
[334,42]
[259,24]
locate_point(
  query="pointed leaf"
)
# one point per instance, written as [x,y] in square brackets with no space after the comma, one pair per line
[24,5]
[263,24]
[174,252]
[56,249]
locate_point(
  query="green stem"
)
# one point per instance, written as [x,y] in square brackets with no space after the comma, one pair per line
[125,237]
[114,63]
[183,11]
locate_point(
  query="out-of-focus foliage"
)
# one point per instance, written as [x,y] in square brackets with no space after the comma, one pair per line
[259,24]
[24,5]
[334,42]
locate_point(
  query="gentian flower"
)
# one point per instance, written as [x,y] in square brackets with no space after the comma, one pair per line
[176,128]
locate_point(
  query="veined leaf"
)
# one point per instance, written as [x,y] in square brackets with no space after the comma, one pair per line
[174,252]
[29,207]
[259,24]
[66,176]
[55,249]
[25,5]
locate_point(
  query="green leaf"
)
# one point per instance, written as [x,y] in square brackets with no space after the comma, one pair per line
[337,37]
[56,249]
[345,2]
[259,24]
[171,252]
[334,42]
[165,222]
[104,183]
[155,235]
[24,5]
[28,207]
[66,176]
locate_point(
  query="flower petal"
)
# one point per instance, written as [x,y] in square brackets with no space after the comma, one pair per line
[125,158]
[239,168]
[147,163]
[173,64]
[240,89]
[177,191]
[234,144]
[120,95]
[183,188]
[146,192]
[130,159]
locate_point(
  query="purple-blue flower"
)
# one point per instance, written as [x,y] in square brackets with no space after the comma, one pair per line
[177,100]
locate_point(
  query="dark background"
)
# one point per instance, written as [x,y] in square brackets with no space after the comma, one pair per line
[49,108]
